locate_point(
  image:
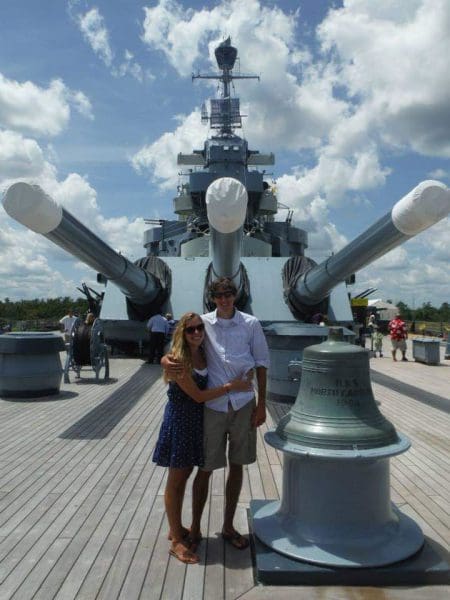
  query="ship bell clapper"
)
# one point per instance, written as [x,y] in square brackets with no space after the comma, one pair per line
[335,508]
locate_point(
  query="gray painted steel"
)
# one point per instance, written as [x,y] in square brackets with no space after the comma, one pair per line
[337,513]
[30,365]
[430,565]
[225,250]
[137,284]
[376,241]
[427,350]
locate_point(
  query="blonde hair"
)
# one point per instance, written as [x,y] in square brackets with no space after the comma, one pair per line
[180,350]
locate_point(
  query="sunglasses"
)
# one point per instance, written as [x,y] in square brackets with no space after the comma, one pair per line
[193,328]
[223,295]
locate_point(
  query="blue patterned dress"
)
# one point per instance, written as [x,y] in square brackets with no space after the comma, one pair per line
[180,441]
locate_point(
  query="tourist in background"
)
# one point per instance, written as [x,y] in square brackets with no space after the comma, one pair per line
[158,328]
[172,323]
[66,324]
[372,323]
[377,337]
[399,335]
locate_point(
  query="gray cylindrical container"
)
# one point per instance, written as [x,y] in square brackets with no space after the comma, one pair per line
[30,365]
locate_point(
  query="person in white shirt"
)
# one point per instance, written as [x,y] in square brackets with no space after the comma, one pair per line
[158,328]
[66,324]
[234,344]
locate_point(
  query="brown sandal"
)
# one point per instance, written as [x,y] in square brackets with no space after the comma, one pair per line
[237,540]
[184,554]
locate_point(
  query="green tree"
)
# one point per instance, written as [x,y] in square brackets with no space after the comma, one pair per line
[405,311]
[444,312]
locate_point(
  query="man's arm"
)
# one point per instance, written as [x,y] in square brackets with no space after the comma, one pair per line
[171,367]
[259,414]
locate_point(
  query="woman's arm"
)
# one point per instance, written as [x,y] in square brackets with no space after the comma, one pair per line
[188,385]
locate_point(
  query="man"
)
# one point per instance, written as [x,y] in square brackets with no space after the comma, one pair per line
[372,322]
[66,324]
[171,324]
[158,328]
[234,345]
[399,335]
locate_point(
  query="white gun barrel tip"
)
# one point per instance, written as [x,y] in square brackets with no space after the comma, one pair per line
[425,205]
[31,206]
[226,204]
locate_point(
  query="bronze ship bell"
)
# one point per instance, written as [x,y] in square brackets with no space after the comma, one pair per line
[335,508]
[335,407]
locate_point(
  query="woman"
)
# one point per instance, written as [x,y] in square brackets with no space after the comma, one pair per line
[180,442]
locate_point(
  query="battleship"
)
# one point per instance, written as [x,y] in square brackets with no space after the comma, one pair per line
[226,226]
[81,503]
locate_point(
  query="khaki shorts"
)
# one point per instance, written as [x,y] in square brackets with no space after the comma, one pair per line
[236,428]
[399,345]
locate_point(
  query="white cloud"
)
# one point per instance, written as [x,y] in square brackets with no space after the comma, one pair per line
[335,176]
[41,111]
[96,34]
[159,158]
[130,66]
[392,58]
[20,158]
[92,26]
[439,174]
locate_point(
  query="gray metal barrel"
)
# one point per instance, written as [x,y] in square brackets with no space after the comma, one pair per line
[425,205]
[30,364]
[32,207]
[226,204]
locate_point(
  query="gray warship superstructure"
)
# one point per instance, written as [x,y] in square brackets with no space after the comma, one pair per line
[226,226]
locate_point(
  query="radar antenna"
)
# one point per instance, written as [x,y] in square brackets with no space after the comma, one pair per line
[225,111]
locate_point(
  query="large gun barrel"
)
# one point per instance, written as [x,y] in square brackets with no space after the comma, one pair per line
[32,207]
[226,206]
[422,207]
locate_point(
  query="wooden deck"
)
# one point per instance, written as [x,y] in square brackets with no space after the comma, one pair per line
[81,503]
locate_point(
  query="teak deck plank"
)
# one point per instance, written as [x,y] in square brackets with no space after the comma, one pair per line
[82,506]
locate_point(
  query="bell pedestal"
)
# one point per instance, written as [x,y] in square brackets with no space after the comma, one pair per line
[336,510]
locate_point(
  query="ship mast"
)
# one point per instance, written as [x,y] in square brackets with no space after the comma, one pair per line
[225,113]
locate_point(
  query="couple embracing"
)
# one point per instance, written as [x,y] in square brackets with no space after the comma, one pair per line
[211,408]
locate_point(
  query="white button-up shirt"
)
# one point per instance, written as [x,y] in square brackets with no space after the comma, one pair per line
[233,347]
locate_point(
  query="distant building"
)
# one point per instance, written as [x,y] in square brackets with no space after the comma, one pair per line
[385,310]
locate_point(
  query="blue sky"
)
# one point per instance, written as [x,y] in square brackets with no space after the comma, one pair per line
[96,100]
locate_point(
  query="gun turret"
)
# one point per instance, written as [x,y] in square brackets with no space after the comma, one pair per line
[32,207]
[423,206]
